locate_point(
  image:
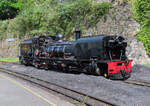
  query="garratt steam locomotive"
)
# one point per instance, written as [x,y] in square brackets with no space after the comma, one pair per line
[100,55]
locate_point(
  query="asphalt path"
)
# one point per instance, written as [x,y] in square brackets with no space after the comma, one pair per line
[14,92]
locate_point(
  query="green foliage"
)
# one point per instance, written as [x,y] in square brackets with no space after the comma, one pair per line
[50,17]
[144,36]
[9,59]
[19,4]
[3,28]
[83,13]
[141,12]
[9,8]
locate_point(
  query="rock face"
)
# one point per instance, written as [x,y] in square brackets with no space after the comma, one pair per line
[119,22]
[9,49]
[136,51]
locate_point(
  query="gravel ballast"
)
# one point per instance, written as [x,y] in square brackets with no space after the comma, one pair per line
[116,92]
[141,73]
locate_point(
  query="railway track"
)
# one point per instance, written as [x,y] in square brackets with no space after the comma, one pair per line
[140,83]
[70,93]
[129,81]
[75,95]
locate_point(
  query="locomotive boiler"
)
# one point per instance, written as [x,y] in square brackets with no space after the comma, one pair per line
[100,55]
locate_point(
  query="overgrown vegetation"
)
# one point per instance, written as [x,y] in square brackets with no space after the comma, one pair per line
[141,12]
[51,17]
[9,59]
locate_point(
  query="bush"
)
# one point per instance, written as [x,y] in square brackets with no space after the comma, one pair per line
[141,12]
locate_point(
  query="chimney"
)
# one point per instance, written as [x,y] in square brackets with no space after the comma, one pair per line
[77,32]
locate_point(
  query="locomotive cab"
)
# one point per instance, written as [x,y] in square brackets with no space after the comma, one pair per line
[26,52]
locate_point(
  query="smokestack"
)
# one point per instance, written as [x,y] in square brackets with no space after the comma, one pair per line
[77,32]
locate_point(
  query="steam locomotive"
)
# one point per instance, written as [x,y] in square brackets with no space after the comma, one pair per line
[100,55]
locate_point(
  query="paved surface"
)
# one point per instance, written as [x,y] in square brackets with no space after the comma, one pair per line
[116,92]
[20,93]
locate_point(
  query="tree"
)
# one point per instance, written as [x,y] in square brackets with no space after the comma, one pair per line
[10,8]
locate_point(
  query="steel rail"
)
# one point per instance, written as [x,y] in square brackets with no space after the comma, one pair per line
[136,82]
[75,95]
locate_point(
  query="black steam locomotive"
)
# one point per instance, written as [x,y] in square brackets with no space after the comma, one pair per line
[99,55]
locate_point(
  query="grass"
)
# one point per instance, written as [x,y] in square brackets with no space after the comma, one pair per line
[76,102]
[9,59]
[148,65]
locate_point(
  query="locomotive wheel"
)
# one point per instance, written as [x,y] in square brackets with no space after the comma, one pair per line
[46,68]
[98,71]
[25,63]
[37,66]
[21,62]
